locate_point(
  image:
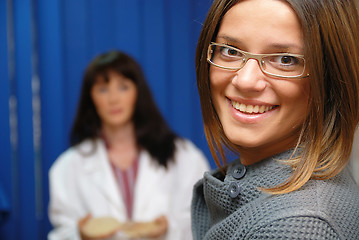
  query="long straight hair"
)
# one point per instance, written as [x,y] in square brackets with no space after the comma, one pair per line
[152,132]
[331,35]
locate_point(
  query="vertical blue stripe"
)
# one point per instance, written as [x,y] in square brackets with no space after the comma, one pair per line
[154,51]
[5,154]
[127,31]
[6,176]
[180,61]
[102,24]
[76,53]
[51,71]
[23,39]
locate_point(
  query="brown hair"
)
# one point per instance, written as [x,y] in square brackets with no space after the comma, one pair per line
[152,132]
[331,36]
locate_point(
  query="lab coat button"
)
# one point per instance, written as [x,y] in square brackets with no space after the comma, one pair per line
[233,189]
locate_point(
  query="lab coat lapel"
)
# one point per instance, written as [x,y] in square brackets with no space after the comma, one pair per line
[149,177]
[100,174]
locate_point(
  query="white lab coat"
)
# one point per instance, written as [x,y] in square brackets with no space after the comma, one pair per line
[82,184]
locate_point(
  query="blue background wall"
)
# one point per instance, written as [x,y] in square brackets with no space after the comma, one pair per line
[45,46]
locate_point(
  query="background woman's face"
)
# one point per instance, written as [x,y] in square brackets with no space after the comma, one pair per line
[114,100]
[261,27]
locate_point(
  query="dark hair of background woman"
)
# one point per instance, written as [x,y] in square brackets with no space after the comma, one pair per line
[152,132]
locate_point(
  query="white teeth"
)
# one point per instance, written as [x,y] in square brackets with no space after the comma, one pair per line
[242,107]
[262,109]
[251,108]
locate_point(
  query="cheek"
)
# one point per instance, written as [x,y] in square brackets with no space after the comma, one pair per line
[303,94]
[100,109]
[218,77]
[294,98]
[131,100]
[133,104]
[98,102]
[219,82]
[291,88]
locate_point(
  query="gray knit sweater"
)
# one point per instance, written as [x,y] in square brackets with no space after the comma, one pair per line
[231,206]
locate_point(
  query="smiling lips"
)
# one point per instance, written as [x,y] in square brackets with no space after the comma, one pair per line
[251,108]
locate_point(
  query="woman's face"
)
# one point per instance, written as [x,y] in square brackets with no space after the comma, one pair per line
[114,100]
[260,27]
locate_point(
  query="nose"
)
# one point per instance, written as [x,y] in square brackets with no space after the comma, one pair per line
[113,95]
[250,78]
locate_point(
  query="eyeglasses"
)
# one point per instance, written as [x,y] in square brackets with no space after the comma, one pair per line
[282,65]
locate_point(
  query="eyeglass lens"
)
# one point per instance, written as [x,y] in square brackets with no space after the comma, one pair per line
[285,65]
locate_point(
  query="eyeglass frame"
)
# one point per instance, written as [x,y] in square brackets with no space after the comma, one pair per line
[258,57]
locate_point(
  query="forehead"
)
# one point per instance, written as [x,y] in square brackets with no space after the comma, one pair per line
[110,75]
[261,23]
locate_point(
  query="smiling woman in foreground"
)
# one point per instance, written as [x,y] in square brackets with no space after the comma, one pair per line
[279,82]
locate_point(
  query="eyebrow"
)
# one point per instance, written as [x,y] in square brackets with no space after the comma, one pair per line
[277,46]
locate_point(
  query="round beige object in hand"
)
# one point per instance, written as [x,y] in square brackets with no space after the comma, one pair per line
[102,226]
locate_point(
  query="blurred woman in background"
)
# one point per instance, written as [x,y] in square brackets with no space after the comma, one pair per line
[125,162]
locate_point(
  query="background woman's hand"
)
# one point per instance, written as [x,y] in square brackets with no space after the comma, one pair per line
[81,223]
[147,230]
[161,229]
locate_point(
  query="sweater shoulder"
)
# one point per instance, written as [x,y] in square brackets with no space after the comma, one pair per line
[329,205]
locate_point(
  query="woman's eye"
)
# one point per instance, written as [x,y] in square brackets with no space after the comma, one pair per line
[230,52]
[123,87]
[103,89]
[286,60]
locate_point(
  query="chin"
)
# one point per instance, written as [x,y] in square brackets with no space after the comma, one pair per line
[243,140]
[247,145]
